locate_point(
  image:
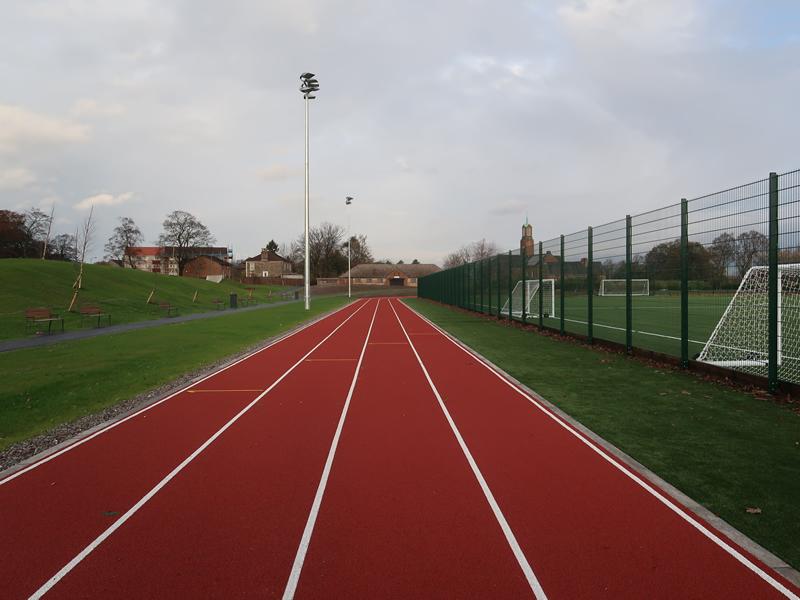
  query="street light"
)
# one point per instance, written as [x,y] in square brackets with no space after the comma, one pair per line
[347,202]
[308,86]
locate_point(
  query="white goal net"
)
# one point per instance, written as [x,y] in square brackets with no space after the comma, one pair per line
[740,339]
[616,287]
[531,298]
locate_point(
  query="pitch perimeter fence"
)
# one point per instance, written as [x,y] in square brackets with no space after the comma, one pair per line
[714,279]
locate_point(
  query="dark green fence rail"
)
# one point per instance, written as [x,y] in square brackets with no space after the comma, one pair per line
[714,279]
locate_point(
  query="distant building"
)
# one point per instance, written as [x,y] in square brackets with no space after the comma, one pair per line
[209,266]
[388,275]
[526,244]
[162,259]
[267,264]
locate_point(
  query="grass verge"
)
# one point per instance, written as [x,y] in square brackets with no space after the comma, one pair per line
[725,448]
[45,387]
[29,283]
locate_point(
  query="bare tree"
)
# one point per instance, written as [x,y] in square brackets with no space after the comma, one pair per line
[83,243]
[721,255]
[183,231]
[751,249]
[475,251]
[482,249]
[359,250]
[125,235]
[47,235]
[35,227]
[63,247]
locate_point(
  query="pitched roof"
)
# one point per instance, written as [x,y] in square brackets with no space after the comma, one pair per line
[270,257]
[383,270]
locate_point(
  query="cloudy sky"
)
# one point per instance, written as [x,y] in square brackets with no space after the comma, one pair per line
[448,121]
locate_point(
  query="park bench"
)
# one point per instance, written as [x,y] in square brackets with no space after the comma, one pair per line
[34,317]
[218,304]
[168,308]
[92,312]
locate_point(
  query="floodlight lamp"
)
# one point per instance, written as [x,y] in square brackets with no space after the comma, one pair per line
[306,76]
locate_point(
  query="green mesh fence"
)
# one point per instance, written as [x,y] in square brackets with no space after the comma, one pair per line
[714,279]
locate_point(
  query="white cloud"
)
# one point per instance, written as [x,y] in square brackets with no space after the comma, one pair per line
[21,127]
[103,200]
[15,178]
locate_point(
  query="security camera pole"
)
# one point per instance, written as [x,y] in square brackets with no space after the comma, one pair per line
[308,86]
[347,202]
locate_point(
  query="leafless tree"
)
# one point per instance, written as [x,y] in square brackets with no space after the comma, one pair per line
[63,247]
[183,231]
[83,243]
[359,250]
[721,255]
[475,251]
[125,235]
[751,249]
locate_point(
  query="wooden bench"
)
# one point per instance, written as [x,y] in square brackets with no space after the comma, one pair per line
[218,304]
[168,308]
[91,311]
[39,316]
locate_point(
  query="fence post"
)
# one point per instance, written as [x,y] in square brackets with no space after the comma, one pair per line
[589,287]
[541,291]
[499,306]
[510,290]
[628,285]
[489,285]
[480,287]
[774,307]
[523,257]
[684,283]
[561,294]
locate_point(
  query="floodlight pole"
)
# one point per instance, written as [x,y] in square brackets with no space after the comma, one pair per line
[307,271]
[308,86]
[349,238]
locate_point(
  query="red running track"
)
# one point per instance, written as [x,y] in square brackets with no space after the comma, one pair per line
[364,456]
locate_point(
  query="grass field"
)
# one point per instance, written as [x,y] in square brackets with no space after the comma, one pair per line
[726,449]
[28,283]
[44,387]
[656,319]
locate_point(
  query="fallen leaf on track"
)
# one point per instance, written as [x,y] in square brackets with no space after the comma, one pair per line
[753,510]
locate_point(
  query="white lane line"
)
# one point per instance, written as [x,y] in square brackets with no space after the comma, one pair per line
[536,587]
[668,502]
[110,426]
[119,522]
[305,540]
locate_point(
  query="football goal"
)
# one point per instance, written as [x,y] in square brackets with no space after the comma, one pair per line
[531,298]
[740,338]
[616,287]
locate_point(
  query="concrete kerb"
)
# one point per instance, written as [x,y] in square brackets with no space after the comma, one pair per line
[761,553]
[144,400]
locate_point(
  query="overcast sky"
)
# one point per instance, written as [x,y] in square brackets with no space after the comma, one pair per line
[447,121]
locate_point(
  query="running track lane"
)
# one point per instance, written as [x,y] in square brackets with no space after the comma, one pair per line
[229,523]
[403,515]
[588,528]
[53,509]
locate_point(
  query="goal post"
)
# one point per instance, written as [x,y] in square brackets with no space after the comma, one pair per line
[616,287]
[741,336]
[531,298]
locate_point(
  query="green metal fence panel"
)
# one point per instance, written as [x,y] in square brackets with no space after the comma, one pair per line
[715,279]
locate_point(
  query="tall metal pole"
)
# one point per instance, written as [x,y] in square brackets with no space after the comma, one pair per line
[307,273]
[347,202]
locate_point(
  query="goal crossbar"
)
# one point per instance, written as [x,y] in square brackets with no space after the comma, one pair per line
[617,287]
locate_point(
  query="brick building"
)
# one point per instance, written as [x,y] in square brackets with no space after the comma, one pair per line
[267,264]
[388,275]
[162,259]
[208,266]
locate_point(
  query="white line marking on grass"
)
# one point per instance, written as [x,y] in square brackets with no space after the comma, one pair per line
[668,502]
[110,426]
[131,511]
[535,586]
[305,540]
